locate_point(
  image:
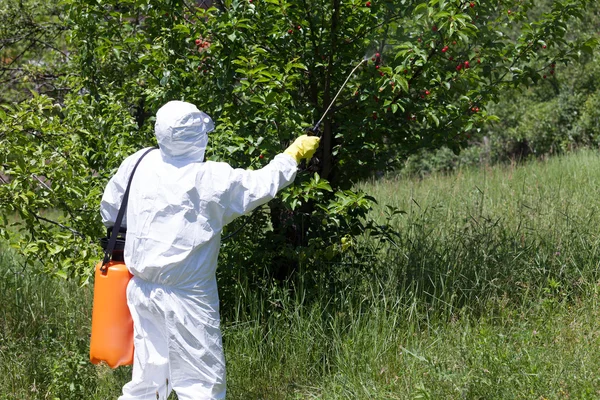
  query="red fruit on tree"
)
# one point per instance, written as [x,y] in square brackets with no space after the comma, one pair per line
[467,65]
[459,67]
[368,4]
[427,92]
[373,59]
[544,46]
[261,156]
[381,73]
[454,42]
[290,31]
[509,12]
[544,76]
[434,28]
[451,58]
[444,49]
[377,67]
[198,41]
[471,4]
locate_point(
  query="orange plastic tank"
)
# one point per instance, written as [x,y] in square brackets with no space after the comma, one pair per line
[112,326]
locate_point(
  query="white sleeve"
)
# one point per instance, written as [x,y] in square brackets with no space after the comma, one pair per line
[250,189]
[115,189]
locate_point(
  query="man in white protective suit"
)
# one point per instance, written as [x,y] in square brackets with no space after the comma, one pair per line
[178,206]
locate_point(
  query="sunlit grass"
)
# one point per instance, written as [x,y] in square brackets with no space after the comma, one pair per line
[489,291]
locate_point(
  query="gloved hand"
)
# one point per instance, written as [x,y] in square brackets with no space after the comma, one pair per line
[303,147]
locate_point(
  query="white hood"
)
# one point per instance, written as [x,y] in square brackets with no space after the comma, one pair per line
[182,131]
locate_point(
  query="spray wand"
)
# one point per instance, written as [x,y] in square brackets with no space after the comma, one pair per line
[314,130]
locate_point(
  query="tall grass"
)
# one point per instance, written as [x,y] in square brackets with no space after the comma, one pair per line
[493,276]
[488,291]
[44,337]
[504,231]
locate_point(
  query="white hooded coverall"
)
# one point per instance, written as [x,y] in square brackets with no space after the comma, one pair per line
[178,206]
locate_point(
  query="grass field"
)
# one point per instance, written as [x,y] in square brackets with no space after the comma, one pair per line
[489,291]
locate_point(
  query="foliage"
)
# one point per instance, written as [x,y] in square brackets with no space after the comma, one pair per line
[59,169]
[32,51]
[556,115]
[552,118]
[266,69]
[428,161]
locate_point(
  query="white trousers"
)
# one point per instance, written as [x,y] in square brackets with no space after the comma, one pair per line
[175,348]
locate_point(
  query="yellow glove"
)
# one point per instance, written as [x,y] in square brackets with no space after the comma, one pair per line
[303,147]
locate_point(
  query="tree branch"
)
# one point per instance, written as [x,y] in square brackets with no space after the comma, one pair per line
[73,231]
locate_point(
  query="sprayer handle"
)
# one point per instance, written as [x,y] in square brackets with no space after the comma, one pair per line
[312,131]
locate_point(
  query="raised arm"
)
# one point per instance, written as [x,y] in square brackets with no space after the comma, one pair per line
[250,189]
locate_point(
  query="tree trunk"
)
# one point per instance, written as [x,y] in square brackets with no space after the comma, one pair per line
[327,139]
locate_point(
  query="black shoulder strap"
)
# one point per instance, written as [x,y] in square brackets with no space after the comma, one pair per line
[115,230]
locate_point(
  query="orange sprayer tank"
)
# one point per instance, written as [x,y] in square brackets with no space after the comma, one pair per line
[112,326]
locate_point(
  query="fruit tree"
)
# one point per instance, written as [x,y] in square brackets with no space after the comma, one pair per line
[265,70]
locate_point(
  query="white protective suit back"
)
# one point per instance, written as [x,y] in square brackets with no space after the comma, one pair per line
[178,206]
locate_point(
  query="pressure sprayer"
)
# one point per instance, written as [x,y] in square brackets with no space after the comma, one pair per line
[112,326]
[314,130]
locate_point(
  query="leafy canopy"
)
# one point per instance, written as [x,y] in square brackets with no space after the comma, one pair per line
[265,70]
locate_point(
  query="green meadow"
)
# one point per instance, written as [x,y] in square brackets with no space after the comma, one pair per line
[488,290]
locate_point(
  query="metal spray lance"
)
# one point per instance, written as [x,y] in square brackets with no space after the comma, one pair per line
[315,128]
